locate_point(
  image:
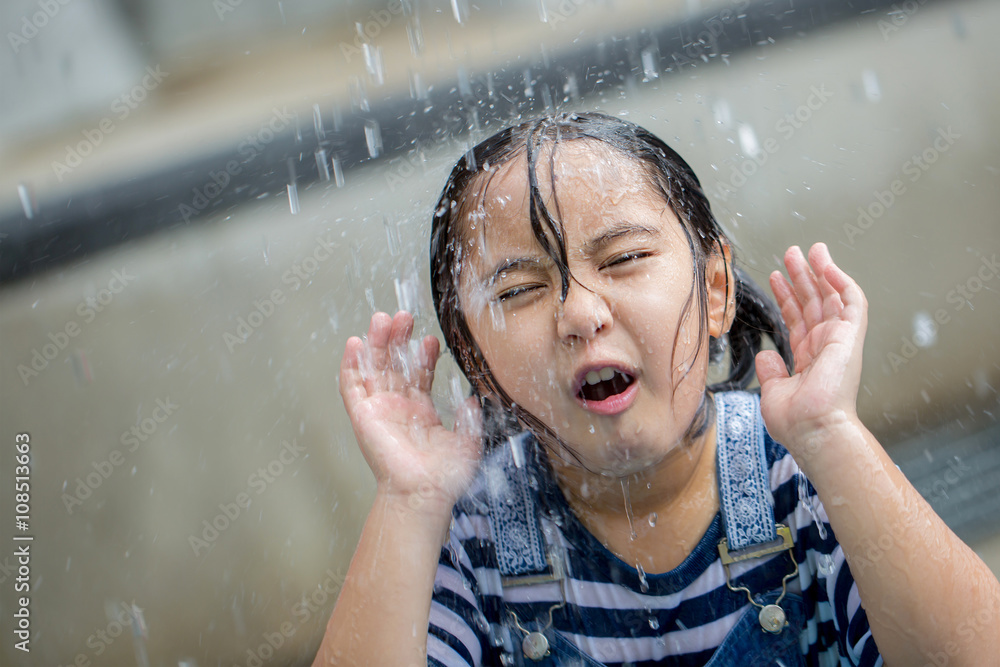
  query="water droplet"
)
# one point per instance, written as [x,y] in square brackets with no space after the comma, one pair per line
[374,63]
[415,33]
[338,172]
[391,235]
[460,10]
[650,63]
[373,138]
[318,122]
[654,623]
[27,197]
[643,583]
[628,509]
[873,90]
[321,164]
[591,428]
[418,90]
[652,519]
[293,198]
[825,564]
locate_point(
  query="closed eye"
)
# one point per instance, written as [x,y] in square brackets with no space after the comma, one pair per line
[626,257]
[513,292]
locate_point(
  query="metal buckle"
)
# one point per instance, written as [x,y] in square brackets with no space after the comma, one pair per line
[784,541]
[771,617]
[556,573]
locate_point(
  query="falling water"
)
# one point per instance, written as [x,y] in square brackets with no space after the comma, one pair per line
[293,188]
[391,235]
[643,582]
[318,123]
[27,200]
[338,172]
[628,509]
[373,137]
[321,164]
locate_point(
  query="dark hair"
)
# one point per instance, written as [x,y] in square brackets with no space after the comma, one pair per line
[756,313]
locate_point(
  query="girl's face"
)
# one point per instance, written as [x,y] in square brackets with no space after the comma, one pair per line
[614,371]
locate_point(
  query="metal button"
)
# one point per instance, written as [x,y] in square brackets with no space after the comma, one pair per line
[772,618]
[535,646]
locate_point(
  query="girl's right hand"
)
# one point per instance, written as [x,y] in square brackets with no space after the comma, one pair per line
[387,393]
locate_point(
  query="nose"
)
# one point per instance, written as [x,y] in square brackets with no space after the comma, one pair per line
[583,314]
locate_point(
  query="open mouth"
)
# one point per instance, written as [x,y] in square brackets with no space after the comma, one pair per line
[599,385]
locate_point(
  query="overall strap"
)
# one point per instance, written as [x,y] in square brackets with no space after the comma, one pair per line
[744,485]
[513,512]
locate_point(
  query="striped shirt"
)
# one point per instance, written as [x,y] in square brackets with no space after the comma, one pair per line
[621,616]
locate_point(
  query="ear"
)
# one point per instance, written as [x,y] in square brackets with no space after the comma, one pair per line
[721,283]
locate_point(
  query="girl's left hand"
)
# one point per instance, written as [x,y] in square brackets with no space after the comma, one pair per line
[826,314]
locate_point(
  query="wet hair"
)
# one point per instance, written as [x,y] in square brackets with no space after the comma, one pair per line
[670,176]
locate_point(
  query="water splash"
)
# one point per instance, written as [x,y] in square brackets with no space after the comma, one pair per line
[497,317]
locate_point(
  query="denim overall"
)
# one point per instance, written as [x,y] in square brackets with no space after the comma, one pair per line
[768,630]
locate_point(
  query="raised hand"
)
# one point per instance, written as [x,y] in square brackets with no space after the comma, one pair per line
[826,314]
[386,391]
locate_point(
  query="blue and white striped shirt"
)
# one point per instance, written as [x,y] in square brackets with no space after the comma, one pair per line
[620,617]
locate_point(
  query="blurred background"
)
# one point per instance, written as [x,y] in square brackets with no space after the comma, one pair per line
[200,202]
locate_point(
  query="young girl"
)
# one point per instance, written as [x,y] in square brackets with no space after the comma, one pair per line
[623,512]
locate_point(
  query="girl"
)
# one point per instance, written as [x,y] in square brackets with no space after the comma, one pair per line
[624,511]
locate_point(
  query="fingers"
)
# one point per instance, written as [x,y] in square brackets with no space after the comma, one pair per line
[427,357]
[352,385]
[806,288]
[469,421]
[770,366]
[849,292]
[377,342]
[789,306]
[384,359]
